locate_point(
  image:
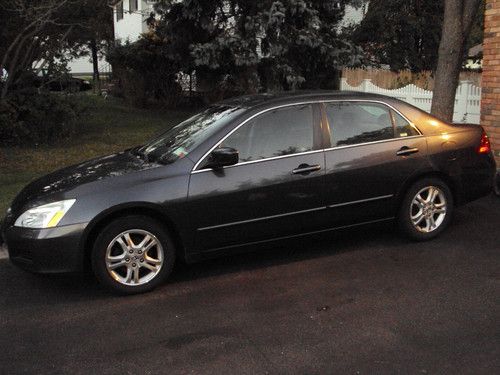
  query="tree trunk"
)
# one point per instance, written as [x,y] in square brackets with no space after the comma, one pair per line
[458,18]
[449,61]
[95,63]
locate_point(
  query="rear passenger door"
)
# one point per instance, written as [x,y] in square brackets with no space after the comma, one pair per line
[373,151]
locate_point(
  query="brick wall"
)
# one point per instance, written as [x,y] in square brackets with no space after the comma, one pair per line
[490,101]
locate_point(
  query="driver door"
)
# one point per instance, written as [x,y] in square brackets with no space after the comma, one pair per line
[275,190]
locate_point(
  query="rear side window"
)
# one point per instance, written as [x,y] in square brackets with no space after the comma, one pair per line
[403,128]
[283,131]
[358,122]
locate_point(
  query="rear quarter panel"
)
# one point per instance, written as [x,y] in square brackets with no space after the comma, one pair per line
[452,151]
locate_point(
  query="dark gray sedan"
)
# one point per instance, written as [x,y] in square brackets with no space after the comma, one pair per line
[246,172]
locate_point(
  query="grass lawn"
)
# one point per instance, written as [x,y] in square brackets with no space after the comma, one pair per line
[108,126]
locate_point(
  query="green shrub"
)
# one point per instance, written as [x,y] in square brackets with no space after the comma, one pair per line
[38,118]
[145,72]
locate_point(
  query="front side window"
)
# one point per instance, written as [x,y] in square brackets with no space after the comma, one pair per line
[279,132]
[358,122]
[180,140]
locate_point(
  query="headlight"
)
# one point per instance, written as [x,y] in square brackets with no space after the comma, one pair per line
[46,216]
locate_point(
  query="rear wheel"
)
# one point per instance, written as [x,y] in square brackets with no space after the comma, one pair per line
[133,254]
[426,209]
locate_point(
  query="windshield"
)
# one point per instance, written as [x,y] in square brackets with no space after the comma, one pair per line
[180,140]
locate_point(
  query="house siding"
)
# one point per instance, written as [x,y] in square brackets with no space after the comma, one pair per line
[133,23]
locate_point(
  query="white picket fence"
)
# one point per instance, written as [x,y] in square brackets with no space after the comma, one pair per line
[467,101]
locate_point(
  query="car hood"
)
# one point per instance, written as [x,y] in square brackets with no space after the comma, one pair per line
[69,178]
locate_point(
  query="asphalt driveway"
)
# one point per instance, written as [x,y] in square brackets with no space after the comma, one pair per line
[357,302]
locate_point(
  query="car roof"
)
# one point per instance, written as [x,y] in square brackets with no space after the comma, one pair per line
[273,99]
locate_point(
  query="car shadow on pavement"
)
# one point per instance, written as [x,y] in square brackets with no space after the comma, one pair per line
[290,251]
[382,237]
[84,286]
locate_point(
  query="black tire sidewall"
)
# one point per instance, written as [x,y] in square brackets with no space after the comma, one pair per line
[118,226]
[404,219]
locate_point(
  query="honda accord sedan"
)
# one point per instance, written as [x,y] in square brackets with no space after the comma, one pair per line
[245,172]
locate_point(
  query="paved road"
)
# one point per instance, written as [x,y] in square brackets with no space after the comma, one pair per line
[357,302]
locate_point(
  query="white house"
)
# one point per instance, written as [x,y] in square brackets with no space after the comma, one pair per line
[82,66]
[354,15]
[130,18]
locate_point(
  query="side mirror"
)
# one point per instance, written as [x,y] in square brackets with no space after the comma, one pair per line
[222,157]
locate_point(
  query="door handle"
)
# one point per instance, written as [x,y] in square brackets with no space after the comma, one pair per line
[403,151]
[306,168]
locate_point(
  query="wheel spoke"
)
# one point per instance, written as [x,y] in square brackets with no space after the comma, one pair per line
[136,275]
[440,205]
[114,266]
[116,258]
[417,215]
[122,243]
[128,277]
[153,261]
[149,266]
[433,192]
[427,225]
[128,240]
[440,210]
[432,222]
[146,239]
[418,220]
[420,200]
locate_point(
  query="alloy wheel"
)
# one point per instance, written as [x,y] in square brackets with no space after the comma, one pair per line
[134,257]
[428,209]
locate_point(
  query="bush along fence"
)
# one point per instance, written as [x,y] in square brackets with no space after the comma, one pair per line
[467,101]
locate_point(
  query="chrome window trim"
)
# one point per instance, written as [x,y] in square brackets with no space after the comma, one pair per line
[259,160]
[371,143]
[315,101]
[379,102]
[243,123]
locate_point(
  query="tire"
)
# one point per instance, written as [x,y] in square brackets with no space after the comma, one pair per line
[417,215]
[133,254]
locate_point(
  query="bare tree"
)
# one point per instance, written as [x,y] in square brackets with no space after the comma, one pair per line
[34,30]
[458,20]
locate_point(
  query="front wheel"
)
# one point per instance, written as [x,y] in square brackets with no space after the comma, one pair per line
[426,209]
[133,254]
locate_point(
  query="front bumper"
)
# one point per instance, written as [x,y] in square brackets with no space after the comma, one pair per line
[53,250]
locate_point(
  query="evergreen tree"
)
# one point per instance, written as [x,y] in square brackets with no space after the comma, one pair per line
[255,45]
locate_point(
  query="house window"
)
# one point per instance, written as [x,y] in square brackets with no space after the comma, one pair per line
[133,5]
[119,11]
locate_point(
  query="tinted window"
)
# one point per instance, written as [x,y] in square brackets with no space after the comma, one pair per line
[403,128]
[356,122]
[279,132]
[180,140]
